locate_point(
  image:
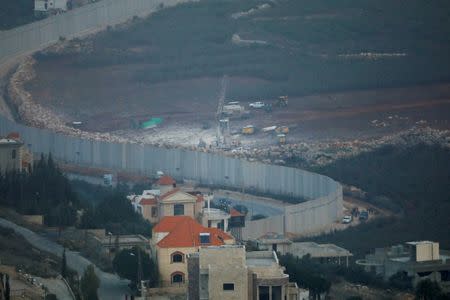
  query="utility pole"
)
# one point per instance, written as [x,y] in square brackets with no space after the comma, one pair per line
[139,271]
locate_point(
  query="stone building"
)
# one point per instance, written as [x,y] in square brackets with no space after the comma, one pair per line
[229,272]
[14,155]
[173,238]
[167,200]
[419,260]
[178,203]
[322,253]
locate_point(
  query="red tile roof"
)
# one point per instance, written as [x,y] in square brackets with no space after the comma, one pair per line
[165,180]
[148,201]
[184,231]
[235,213]
[13,136]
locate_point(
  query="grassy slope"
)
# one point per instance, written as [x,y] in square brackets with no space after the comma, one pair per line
[416,178]
[305,39]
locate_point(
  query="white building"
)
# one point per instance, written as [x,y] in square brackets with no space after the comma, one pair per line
[49,5]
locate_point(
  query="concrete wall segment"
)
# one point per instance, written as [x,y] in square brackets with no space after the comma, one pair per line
[325,205]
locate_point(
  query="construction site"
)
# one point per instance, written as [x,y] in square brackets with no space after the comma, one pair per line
[246,91]
[261,128]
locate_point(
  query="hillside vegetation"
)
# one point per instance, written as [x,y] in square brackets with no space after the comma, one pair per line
[309,46]
[415,178]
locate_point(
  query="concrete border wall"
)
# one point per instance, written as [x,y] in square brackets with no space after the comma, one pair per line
[317,214]
[88,18]
[308,217]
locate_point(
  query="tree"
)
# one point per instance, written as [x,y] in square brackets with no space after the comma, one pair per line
[89,284]
[64,264]
[427,290]
[88,220]
[125,263]
[401,280]
[307,274]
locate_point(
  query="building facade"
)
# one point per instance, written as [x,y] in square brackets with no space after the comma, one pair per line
[418,260]
[229,272]
[14,156]
[173,238]
[167,200]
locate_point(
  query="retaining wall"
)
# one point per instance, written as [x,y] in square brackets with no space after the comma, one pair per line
[315,215]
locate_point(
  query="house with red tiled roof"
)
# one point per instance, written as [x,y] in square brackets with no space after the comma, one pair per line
[236,223]
[165,183]
[146,205]
[178,203]
[149,208]
[176,236]
[154,204]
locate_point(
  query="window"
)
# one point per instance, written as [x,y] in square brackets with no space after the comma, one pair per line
[178,209]
[228,286]
[264,292]
[154,212]
[204,238]
[13,154]
[276,293]
[177,278]
[177,257]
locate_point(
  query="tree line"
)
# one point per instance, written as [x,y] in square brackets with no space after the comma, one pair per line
[43,191]
[47,191]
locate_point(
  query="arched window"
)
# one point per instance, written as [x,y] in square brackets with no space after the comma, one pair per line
[177,277]
[177,257]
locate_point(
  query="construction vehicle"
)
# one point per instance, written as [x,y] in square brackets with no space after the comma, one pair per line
[269,129]
[249,129]
[282,129]
[282,101]
[257,104]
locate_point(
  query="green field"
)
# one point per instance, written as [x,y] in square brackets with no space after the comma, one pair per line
[307,44]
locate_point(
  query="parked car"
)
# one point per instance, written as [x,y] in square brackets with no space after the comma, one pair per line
[363,215]
[347,219]
[256,104]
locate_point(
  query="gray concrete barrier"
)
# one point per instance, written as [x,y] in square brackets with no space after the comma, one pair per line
[317,214]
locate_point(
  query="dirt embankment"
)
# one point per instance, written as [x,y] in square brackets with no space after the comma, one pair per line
[33,114]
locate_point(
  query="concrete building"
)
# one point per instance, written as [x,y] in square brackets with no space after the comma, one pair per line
[229,272]
[153,205]
[146,205]
[323,253]
[178,203]
[236,223]
[14,155]
[420,260]
[214,217]
[176,236]
[50,5]
[223,273]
